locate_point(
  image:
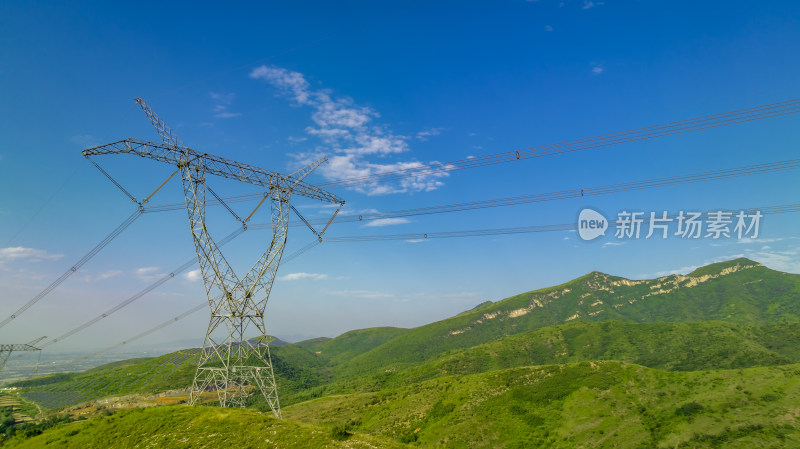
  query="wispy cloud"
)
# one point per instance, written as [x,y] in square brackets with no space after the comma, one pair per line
[423,135]
[548,28]
[758,240]
[786,260]
[607,244]
[86,276]
[597,69]
[589,4]
[85,140]
[387,222]
[148,274]
[223,101]
[303,276]
[348,131]
[363,294]
[18,253]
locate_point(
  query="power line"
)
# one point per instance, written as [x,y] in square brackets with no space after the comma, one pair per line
[457,207]
[125,223]
[183,315]
[139,294]
[41,208]
[737,116]
[650,132]
[768,210]
[748,170]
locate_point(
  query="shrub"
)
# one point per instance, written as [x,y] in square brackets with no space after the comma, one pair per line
[689,409]
[339,432]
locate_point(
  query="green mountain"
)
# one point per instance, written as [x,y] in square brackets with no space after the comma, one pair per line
[200,427]
[353,343]
[710,359]
[665,346]
[739,291]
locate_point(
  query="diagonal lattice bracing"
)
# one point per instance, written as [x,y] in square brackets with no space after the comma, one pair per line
[230,364]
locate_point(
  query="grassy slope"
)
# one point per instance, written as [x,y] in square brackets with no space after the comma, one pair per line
[667,346]
[356,342]
[738,291]
[302,375]
[297,369]
[589,404]
[198,427]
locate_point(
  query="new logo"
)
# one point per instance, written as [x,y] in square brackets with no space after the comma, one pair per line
[591,224]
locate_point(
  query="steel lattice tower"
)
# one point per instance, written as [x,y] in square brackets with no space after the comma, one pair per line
[7,349]
[229,363]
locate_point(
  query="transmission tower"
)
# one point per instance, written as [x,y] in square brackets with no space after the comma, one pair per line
[230,363]
[6,350]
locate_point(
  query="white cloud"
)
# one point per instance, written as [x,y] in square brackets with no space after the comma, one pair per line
[108,275]
[302,276]
[588,4]
[223,101]
[148,274]
[351,138]
[85,140]
[597,69]
[193,276]
[16,253]
[786,260]
[607,244]
[423,135]
[226,114]
[758,240]
[387,222]
[86,276]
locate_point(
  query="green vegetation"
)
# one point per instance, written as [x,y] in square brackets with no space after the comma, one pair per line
[181,426]
[587,404]
[150,375]
[711,359]
[353,343]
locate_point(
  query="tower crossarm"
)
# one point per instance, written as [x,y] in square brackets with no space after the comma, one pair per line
[203,162]
[18,347]
[7,349]
[22,346]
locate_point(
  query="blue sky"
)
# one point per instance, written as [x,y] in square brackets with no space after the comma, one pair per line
[375,86]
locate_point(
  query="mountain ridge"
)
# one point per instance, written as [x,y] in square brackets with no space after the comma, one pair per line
[739,291]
